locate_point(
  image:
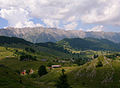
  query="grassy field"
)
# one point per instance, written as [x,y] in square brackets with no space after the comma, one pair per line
[10,65]
[88,75]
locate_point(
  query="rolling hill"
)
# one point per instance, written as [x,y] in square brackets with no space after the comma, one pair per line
[18,43]
[13,40]
[88,44]
[10,79]
[89,75]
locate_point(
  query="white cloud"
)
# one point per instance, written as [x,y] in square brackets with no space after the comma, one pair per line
[105,13]
[97,28]
[51,23]
[71,26]
[52,12]
[17,17]
[71,19]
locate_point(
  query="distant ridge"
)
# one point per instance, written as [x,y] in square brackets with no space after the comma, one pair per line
[81,44]
[89,44]
[13,40]
[41,34]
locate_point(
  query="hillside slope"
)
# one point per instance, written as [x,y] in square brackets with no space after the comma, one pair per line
[10,79]
[88,44]
[42,51]
[13,40]
[89,75]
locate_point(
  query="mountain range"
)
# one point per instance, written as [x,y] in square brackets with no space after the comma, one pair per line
[41,34]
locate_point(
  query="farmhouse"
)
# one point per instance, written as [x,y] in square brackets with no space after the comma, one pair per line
[56,66]
[23,73]
[31,71]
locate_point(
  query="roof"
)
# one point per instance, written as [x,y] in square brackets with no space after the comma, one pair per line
[56,66]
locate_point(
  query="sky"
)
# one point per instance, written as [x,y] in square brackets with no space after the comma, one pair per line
[86,15]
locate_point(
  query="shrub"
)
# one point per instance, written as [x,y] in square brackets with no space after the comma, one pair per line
[34,75]
[99,64]
[95,56]
[42,70]
[50,64]
[27,58]
[30,50]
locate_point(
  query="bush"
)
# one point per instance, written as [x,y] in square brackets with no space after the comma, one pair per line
[27,58]
[30,50]
[34,75]
[95,56]
[99,64]
[50,64]
[42,70]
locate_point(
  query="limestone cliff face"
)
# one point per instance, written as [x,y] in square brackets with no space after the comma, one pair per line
[41,34]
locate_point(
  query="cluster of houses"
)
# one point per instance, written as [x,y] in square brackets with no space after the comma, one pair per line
[54,66]
[24,72]
[31,71]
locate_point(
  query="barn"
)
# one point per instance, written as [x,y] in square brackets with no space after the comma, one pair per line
[56,66]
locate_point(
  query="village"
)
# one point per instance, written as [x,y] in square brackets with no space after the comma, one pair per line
[31,71]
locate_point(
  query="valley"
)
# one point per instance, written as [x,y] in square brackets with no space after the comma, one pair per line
[85,65]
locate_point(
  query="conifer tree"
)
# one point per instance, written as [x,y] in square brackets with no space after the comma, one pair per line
[42,70]
[62,81]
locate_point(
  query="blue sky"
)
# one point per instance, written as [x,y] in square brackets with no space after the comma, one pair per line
[86,15]
[3,23]
[85,27]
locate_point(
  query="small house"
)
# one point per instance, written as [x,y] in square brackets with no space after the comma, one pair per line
[56,66]
[23,73]
[31,71]
[50,68]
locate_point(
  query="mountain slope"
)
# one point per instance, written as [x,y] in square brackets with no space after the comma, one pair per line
[13,40]
[88,44]
[42,49]
[62,46]
[89,75]
[11,79]
[40,34]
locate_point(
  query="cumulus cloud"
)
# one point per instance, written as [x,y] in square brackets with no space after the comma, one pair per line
[60,12]
[51,23]
[71,26]
[17,17]
[96,28]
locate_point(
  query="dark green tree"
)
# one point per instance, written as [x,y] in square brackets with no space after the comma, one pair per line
[62,81]
[95,56]
[50,64]
[42,70]
[30,50]
[99,64]
[27,57]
